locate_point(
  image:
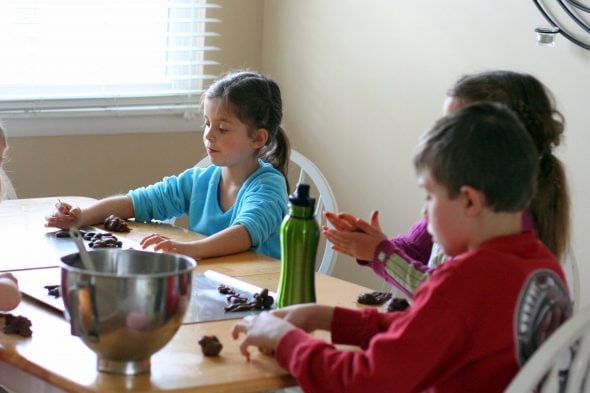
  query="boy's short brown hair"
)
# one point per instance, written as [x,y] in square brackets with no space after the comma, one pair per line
[484,146]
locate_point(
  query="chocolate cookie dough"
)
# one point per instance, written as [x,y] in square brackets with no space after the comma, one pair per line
[210,345]
[397,304]
[115,224]
[17,325]
[373,298]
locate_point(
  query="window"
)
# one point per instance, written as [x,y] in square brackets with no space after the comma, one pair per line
[73,59]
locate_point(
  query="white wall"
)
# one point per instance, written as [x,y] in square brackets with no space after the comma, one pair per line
[361,80]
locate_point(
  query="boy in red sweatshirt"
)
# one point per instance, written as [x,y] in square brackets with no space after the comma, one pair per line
[464,331]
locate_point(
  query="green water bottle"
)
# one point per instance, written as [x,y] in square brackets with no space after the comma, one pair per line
[299,243]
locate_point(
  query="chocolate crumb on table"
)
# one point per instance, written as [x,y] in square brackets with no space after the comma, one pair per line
[397,304]
[115,224]
[16,325]
[210,345]
[373,298]
[227,290]
[53,290]
[261,301]
[63,233]
[102,240]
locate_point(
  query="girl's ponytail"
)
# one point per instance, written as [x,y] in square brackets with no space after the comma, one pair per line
[277,152]
[551,206]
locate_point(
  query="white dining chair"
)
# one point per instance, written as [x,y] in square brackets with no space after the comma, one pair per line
[7,190]
[572,276]
[308,172]
[561,363]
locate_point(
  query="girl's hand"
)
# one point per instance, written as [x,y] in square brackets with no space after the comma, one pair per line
[263,331]
[160,243]
[359,243]
[342,221]
[64,217]
[348,222]
[164,243]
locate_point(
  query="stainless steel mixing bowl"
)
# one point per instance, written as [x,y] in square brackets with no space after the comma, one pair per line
[129,307]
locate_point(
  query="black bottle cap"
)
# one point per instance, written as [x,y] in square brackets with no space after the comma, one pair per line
[301,196]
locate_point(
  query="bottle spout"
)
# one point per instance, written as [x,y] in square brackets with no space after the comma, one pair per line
[301,196]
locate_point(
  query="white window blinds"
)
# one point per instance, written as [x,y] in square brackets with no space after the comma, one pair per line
[99,56]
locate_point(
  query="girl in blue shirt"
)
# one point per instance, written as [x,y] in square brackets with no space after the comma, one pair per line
[239,201]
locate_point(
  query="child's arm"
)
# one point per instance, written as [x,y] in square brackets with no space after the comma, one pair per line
[231,240]
[67,216]
[408,252]
[9,294]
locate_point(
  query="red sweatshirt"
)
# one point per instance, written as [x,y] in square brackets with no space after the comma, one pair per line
[459,335]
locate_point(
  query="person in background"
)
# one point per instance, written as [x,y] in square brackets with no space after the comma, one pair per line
[6,189]
[239,201]
[9,293]
[415,254]
[478,167]
[10,296]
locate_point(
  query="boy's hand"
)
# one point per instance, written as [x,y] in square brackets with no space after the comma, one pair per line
[359,239]
[263,331]
[308,317]
[65,216]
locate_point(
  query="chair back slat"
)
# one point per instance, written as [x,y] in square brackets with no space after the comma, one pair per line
[546,370]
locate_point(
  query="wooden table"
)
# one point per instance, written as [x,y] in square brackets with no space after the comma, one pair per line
[54,360]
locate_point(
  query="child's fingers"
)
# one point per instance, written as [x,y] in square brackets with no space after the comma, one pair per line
[237,329]
[152,239]
[375,218]
[369,229]
[340,237]
[242,327]
[337,222]
[63,208]
[349,219]
[59,221]
[343,251]
[244,349]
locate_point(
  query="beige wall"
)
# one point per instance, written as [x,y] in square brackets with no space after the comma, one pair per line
[363,79]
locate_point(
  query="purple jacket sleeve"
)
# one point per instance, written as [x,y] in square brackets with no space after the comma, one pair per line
[403,260]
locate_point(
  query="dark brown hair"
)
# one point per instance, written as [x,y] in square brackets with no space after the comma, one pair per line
[256,101]
[534,104]
[484,146]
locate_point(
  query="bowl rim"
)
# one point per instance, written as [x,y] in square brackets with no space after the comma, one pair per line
[192,264]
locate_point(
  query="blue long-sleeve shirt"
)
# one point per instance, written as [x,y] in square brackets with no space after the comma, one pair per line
[260,206]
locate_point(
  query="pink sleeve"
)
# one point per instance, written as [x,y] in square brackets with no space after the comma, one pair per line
[408,256]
